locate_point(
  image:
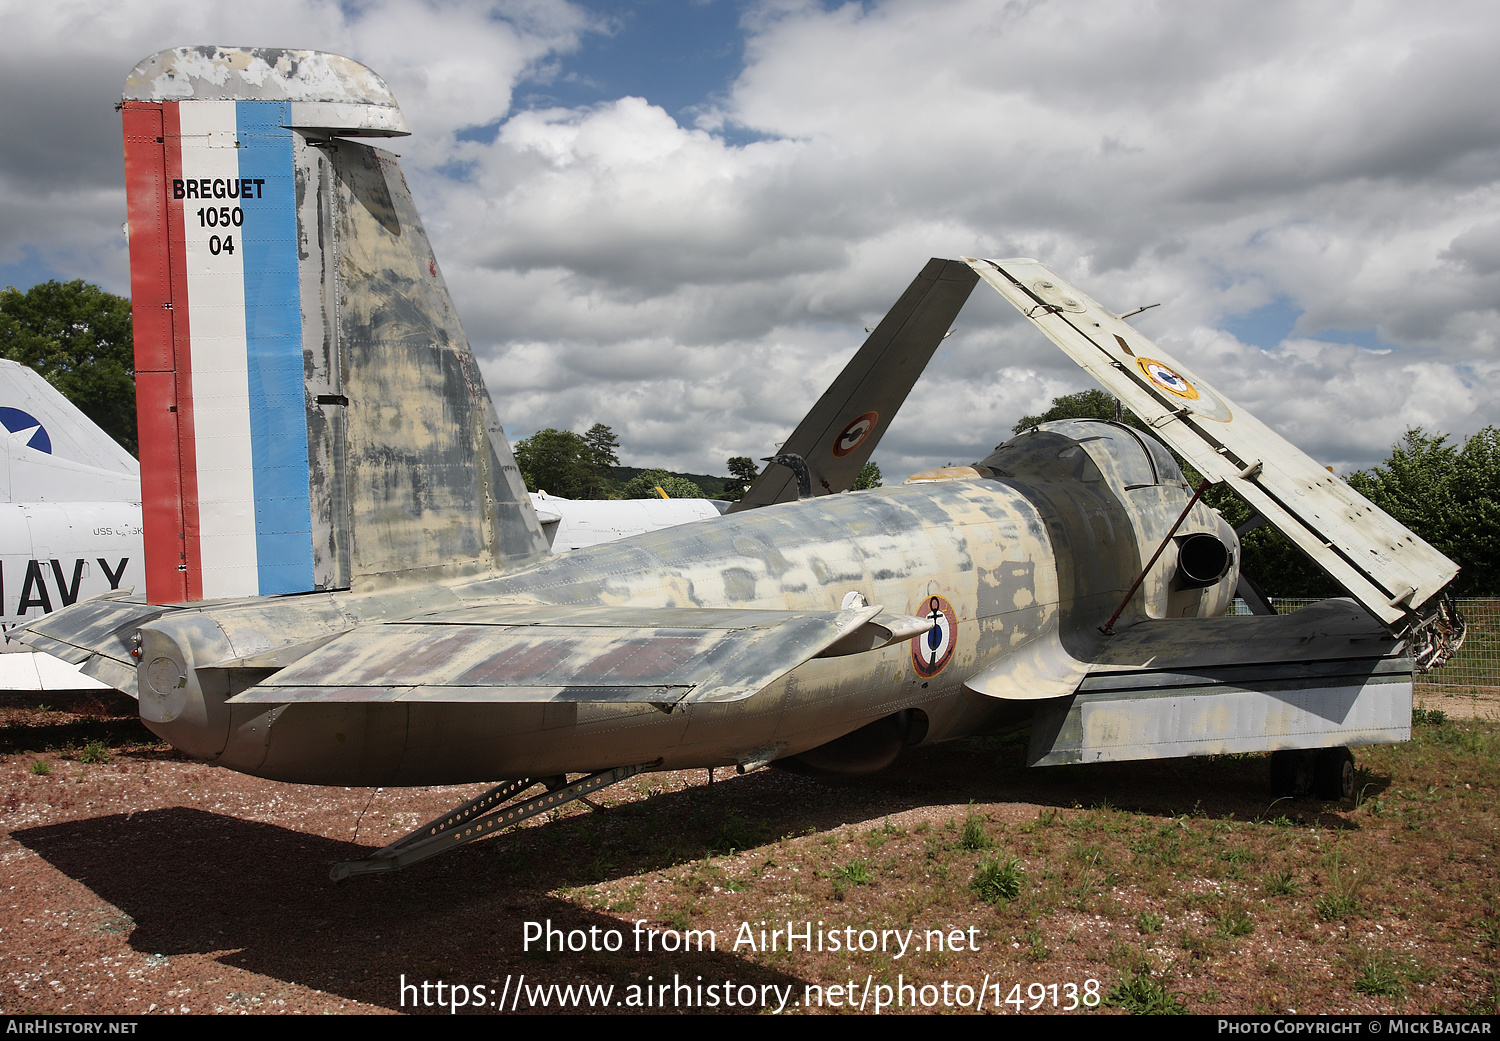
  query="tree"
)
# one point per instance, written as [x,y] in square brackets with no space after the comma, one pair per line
[742,474]
[643,486]
[604,447]
[1448,496]
[556,461]
[78,337]
[869,477]
[1086,404]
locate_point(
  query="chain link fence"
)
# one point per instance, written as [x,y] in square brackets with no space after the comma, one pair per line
[1475,669]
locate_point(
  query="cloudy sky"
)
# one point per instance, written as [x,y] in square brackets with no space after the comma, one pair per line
[676,216]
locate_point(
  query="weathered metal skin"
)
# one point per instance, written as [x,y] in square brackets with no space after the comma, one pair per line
[1000,551]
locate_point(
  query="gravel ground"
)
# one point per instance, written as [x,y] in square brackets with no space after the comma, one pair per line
[148,883]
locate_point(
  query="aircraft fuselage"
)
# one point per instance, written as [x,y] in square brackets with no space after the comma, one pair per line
[998,563]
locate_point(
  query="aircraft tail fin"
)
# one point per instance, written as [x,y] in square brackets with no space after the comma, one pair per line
[310,411]
[53,452]
[1387,568]
[837,437]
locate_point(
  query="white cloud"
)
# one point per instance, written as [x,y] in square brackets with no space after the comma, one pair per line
[696,294]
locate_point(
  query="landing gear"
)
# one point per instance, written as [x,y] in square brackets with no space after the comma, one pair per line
[1334,774]
[1292,773]
[1327,773]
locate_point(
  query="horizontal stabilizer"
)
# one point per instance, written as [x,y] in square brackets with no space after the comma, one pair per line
[1384,566]
[529,653]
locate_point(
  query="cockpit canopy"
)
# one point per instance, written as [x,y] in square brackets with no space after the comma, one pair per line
[1089,449]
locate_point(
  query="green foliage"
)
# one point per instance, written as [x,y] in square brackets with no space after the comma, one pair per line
[742,474]
[998,880]
[95,752]
[1428,717]
[78,337]
[1379,978]
[869,477]
[1282,883]
[41,768]
[1447,495]
[644,485]
[855,873]
[1087,404]
[603,447]
[973,836]
[558,462]
[1145,995]
[1148,922]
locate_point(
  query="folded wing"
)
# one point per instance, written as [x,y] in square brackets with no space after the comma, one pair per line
[1389,570]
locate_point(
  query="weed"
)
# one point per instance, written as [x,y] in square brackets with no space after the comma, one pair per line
[734,833]
[1332,907]
[1036,946]
[998,880]
[855,873]
[95,752]
[1281,883]
[1149,923]
[41,768]
[1378,978]
[1235,921]
[1145,995]
[972,837]
[1428,717]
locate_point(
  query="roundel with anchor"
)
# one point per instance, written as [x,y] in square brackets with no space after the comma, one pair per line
[26,428]
[933,650]
[853,435]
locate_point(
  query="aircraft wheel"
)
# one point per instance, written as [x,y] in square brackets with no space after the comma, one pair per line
[1335,774]
[1292,773]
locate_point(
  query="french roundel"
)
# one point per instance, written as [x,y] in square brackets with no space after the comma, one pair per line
[931,651]
[16,422]
[854,434]
[1166,378]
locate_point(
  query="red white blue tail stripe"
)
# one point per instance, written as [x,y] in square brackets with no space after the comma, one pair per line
[218,252]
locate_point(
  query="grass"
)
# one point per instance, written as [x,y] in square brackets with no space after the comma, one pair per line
[998,880]
[95,752]
[1145,995]
[1379,978]
[973,837]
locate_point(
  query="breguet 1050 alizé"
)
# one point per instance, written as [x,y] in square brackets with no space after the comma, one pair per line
[346,583]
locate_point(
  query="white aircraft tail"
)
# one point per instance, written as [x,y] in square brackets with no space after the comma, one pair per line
[310,411]
[53,452]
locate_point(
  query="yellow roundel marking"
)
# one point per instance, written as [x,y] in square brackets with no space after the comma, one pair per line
[854,434]
[933,650]
[1167,378]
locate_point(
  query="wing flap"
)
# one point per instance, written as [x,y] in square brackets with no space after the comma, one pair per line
[527,653]
[1384,566]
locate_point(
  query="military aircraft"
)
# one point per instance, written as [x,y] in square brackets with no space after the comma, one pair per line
[346,583]
[70,520]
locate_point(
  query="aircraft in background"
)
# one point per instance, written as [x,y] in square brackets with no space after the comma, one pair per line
[347,584]
[70,521]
